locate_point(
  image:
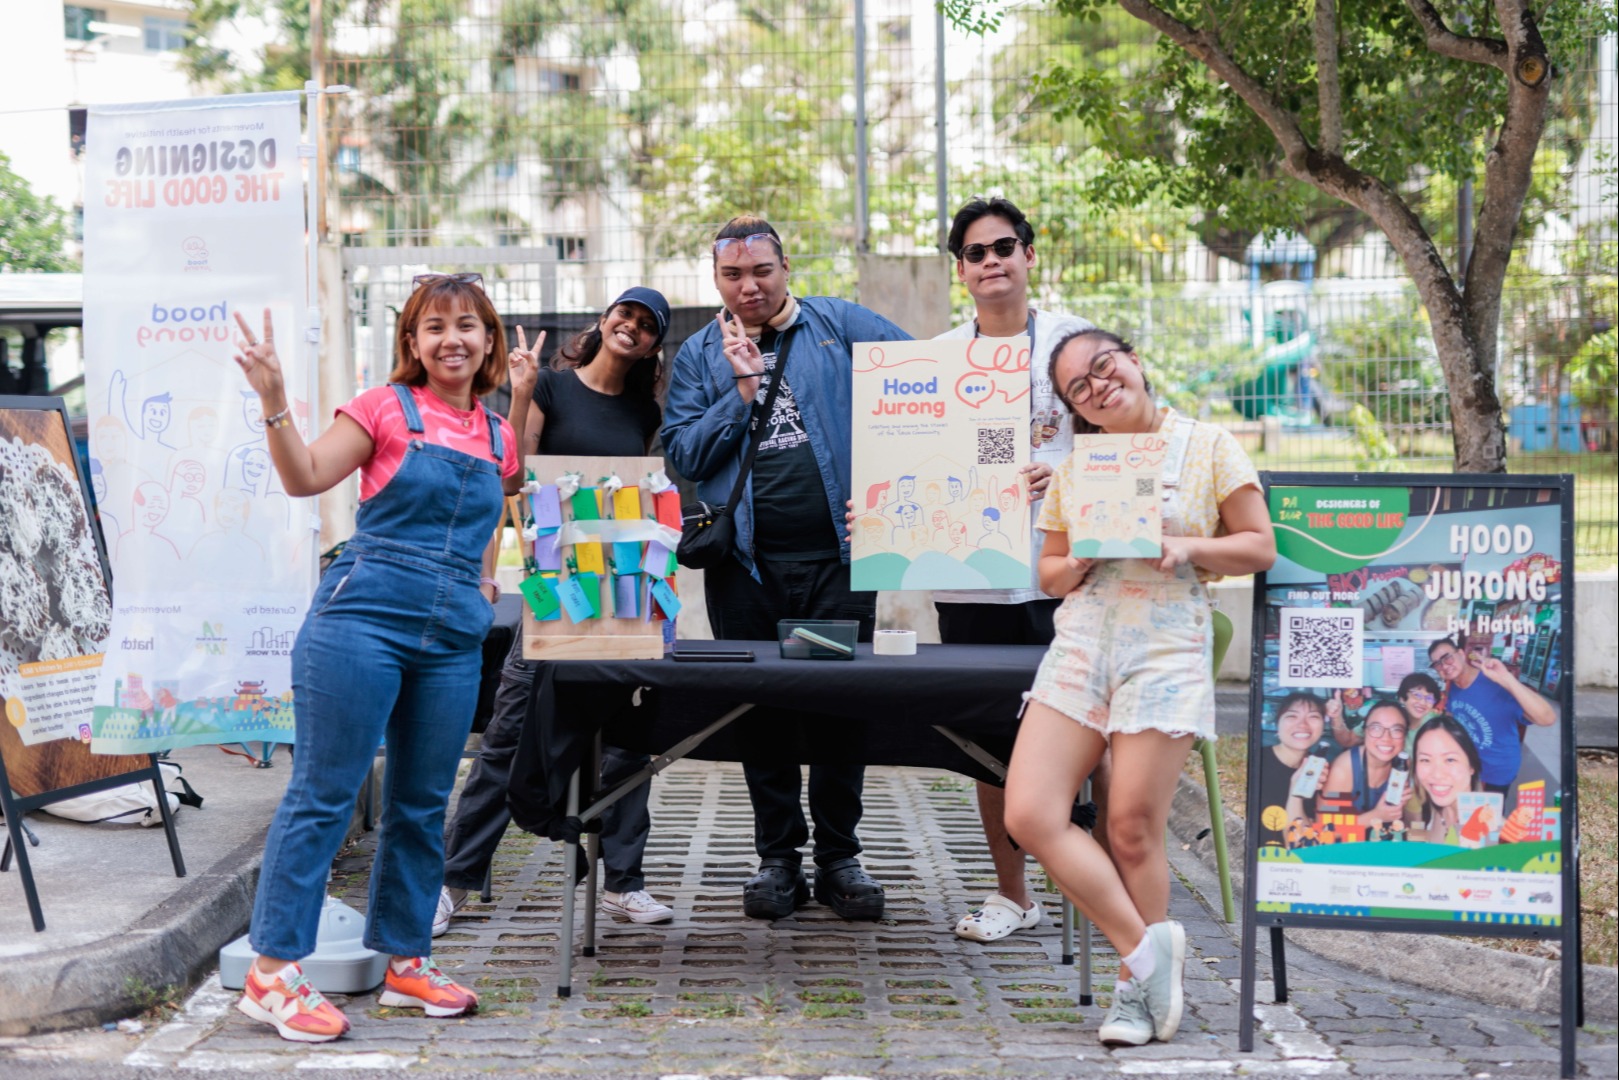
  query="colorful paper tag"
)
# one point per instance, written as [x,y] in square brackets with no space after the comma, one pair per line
[585,506]
[547,556]
[627,596]
[547,508]
[657,559]
[540,592]
[575,599]
[627,504]
[666,598]
[588,558]
[626,557]
[666,504]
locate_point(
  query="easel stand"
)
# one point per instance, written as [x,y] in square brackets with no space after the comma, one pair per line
[16,806]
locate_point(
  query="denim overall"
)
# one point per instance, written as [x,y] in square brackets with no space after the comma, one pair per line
[391,653]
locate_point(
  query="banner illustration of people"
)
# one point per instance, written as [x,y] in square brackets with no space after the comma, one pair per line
[939,439]
[193,208]
[1410,758]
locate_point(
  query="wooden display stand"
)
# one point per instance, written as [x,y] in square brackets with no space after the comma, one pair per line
[607,637]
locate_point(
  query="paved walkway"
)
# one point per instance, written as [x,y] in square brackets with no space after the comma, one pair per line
[714,993]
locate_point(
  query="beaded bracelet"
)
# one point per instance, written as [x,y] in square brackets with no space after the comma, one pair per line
[279,420]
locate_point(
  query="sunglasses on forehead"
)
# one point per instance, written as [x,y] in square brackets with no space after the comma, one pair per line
[1003,248]
[460,279]
[726,243]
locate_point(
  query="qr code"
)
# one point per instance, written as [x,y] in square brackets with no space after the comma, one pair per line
[1146,487]
[1322,648]
[996,445]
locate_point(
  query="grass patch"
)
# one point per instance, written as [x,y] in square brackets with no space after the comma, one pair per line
[1599,845]
[153,1004]
[622,1010]
[924,999]
[825,1011]
[926,1014]
[832,997]
[1047,1016]
[917,984]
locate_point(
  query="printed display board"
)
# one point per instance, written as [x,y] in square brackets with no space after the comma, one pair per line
[194,211]
[939,441]
[54,605]
[1116,512]
[1410,740]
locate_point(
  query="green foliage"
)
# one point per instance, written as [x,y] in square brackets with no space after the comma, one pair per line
[33,229]
[1374,452]
[1592,373]
[1172,131]
[1385,358]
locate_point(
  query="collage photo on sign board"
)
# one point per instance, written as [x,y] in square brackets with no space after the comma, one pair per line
[1409,713]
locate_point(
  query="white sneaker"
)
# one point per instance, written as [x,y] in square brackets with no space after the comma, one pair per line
[637,906]
[448,905]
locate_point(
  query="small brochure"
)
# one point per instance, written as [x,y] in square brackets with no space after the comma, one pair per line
[1114,512]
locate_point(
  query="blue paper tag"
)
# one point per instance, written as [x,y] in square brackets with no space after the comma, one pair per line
[666,598]
[574,600]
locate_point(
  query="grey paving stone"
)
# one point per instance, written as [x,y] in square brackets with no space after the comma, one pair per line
[1411,1068]
[1371,1004]
[1394,1053]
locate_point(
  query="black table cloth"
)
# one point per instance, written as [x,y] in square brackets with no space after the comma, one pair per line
[874,710]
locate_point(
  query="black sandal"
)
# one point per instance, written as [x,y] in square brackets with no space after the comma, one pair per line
[776,891]
[847,889]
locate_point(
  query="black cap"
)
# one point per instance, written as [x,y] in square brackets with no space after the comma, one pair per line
[652,300]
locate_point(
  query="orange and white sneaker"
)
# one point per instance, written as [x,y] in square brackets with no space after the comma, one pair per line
[288,1002]
[421,985]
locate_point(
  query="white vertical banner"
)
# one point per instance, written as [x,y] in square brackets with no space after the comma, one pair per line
[194,210]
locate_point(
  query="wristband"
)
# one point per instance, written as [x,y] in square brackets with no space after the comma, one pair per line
[279,420]
[493,584]
[749,375]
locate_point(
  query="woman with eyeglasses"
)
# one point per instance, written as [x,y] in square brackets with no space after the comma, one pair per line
[1363,771]
[391,650]
[1129,673]
[1419,696]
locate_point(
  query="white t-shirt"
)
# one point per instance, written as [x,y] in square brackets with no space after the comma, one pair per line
[1051,437]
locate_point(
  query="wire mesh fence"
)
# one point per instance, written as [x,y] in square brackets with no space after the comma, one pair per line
[571,148]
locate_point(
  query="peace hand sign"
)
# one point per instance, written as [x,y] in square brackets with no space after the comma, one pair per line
[260,364]
[523,365]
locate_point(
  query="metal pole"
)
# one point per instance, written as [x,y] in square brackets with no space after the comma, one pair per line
[310,153]
[862,210]
[941,133]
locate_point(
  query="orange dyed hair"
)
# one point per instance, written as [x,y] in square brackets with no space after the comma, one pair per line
[446,294]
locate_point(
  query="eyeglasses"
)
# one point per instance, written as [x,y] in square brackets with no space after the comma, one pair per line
[725,243]
[1003,248]
[1447,658]
[1101,367]
[1419,695]
[460,279]
[1378,731]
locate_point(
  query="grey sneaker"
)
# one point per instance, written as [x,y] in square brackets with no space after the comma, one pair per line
[1161,991]
[1126,1022]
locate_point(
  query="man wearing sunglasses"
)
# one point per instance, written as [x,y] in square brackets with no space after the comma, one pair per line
[993,243]
[791,557]
[1493,709]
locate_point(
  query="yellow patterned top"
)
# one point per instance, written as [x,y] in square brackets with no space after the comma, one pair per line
[1215,467]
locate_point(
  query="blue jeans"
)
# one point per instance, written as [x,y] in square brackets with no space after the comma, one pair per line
[386,654]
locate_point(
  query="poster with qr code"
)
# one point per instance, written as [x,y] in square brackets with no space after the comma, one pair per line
[940,440]
[1409,758]
[1321,648]
[1110,496]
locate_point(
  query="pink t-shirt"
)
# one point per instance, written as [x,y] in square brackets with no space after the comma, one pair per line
[378,411]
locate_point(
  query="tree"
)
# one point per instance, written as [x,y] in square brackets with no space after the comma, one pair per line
[1361,102]
[33,229]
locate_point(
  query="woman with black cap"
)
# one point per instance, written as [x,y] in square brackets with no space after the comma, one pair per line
[598,398]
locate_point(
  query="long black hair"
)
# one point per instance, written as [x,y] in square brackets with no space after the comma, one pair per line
[1452,727]
[1081,425]
[646,377]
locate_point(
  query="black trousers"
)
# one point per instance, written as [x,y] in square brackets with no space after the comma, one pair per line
[481,814]
[741,609]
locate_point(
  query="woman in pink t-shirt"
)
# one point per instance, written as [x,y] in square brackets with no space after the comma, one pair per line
[391,650]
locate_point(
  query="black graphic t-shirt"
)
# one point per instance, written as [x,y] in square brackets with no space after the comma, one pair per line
[790,515]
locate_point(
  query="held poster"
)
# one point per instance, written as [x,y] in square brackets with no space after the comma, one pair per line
[940,434]
[194,210]
[1408,745]
[54,608]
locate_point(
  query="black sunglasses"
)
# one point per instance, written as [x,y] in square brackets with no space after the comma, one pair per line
[1003,248]
[460,279]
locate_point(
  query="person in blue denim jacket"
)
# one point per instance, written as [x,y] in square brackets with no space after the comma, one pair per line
[792,557]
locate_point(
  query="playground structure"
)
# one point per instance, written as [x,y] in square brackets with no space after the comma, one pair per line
[1287,384]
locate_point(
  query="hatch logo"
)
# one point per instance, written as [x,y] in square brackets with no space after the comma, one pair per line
[212,640]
